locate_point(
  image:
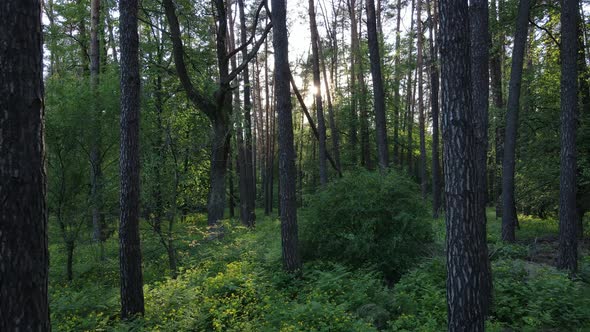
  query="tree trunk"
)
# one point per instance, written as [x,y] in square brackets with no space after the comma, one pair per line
[24,258]
[354,100]
[96,177]
[220,141]
[318,96]
[509,218]
[378,92]
[288,213]
[419,66]
[332,119]
[498,100]
[466,305]
[434,87]
[568,238]
[70,260]
[409,97]
[480,56]
[247,213]
[396,86]
[132,302]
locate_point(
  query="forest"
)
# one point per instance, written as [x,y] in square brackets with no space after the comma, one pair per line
[321,165]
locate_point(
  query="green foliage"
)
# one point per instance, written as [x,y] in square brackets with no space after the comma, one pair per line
[368,219]
[236,284]
[527,297]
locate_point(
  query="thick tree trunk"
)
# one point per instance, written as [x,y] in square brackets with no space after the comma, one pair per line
[378,92]
[288,213]
[318,96]
[24,258]
[466,305]
[132,302]
[434,87]
[220,140]
[509,218]
[479,51]
[568,238]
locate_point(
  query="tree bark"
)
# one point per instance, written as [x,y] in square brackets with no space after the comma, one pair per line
[132,302]
[568,238]
[480,56]
[378,92]
[466,309]
[24,258]
[509,218]
[318,96]
[288,213]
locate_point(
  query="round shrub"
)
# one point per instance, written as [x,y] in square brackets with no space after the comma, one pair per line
[368,218]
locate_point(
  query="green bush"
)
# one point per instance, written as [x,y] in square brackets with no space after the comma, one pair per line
[527,297]
[368,218]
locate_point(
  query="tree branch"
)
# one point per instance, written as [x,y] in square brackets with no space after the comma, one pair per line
[254,25]
[250,56]
[204,104]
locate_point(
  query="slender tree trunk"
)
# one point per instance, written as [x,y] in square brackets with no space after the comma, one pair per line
[288,214]
[332,120]
[419,66]
[396,86]
[378,92]
[70,260]
[24,258]
[434,87]
[568,238]
[480,57]
[318,96]
[498,100]
[248,213]
[409,96]
[96,177]
[354,90]
[132,302]
[465,303]
[509,218]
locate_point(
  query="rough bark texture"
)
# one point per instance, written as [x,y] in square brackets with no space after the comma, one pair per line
[466,310]
[509,218]
[480,55]
[130,250]
[434,87]
[24,257]
[288,209]
[568,237]
[318,97]
[378,92]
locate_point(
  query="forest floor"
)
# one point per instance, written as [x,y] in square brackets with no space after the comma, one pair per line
[237,284]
